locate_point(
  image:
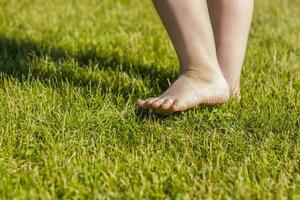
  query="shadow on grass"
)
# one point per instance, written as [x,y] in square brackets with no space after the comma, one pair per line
[19,59]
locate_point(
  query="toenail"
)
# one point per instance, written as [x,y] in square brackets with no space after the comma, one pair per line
[167,104]
[148,102]
[155,104]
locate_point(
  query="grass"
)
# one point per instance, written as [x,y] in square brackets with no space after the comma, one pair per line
[70,73]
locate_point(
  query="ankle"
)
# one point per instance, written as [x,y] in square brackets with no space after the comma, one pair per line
[207,73]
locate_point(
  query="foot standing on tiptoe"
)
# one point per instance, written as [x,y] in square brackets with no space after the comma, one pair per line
[210,40]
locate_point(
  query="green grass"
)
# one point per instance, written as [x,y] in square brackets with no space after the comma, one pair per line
[70,72]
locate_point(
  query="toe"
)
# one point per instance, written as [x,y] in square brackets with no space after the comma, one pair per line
[141,103]
[179,106]
[167,104]
[148,102]
[157,103]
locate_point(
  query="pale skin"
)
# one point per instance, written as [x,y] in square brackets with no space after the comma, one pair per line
[210,39]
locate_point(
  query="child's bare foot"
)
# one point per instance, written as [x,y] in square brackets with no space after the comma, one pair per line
[190,29]
[189,90]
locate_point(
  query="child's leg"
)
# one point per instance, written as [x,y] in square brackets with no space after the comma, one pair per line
[201,80]
[231,21]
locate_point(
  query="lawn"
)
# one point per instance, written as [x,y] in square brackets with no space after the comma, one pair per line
[70,73]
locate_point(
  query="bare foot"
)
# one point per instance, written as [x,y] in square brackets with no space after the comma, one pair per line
[234,88]
[235,93]
[189,90]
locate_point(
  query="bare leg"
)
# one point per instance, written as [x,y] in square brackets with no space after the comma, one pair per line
[201,80]
[231,21]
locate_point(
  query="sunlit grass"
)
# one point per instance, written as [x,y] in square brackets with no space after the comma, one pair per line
[70,73]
